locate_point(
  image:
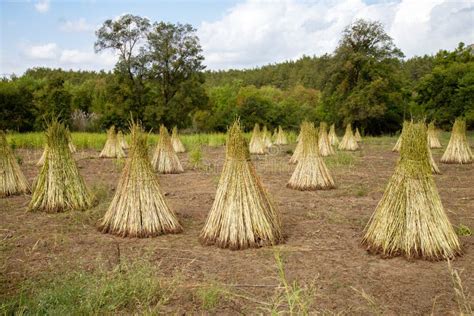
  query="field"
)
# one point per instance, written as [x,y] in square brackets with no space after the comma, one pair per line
[61,263]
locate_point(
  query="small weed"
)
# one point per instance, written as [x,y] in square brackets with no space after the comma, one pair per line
[195,157]
[210,296]
[463,230]
[362,190]
[340,159]
[462,297]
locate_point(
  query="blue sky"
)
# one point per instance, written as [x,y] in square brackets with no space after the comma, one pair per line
[234,34]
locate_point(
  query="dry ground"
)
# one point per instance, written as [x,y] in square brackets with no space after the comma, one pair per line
[322,248]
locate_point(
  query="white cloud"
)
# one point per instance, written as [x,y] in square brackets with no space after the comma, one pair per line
[79,25]
[260,32]
[42,52]
[42,6]
[78,58]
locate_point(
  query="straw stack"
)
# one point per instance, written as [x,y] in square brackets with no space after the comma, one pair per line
[138,208]
[257,144]
[299,145]
[458,150]
[325,148]
[112,147]
[12,180]
[176,142]
[59,186]
[357,136]
[71,146]
[164,158]
[333,140]
[122,141]
[242,215]
[398,144]
[280,138]
[410,219]
[348,142]
[433,140]
[267,141]
[311,172]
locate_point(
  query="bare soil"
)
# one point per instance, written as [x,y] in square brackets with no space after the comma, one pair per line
[323,232]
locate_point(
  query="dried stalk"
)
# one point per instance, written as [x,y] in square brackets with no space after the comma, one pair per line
[348,142]
[12,180]
[165,159]
[138,208]
[121,140]
[299,145]
[257,144]
[458,150]
[176,142]
[243,214]
[333,140]
[266,138]
[357,135]
[325,148]
[311,172]
[433,140]
[410,219]
[59,185]
[398,144]
[112,147]
[280,138]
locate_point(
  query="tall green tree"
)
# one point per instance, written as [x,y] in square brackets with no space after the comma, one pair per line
[364,80]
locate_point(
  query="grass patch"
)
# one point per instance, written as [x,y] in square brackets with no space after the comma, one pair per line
[463,230]
[340,159]
[127,289]
[210,296]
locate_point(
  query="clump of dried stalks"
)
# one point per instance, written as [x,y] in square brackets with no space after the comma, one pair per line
[398,144]
[12,180]
[280,137]
[59,185]
[348,142]
[176,142]
[243,214]
[138,208]
[458,150]
[164,158]
[299,145]
[333,140]
[433,140]
[267,141]
[257,143]
[357,135]
[122,141]
[325,148]
[112,147]
[410,219]
[311,172]
[71,147]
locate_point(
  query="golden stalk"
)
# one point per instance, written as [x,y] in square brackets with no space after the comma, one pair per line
[333,140]
[311,172]
[398,144]
[348,142]
[280,137]
[257,144]
[433,140]
[138,208]
[59,185]
[121,140]
[357,135]
[165,159]
[299,145]
[458,150]
[243,214]
[176,142]
[410,219]
[112,147]
[266,137]
[12,180]
[325,148]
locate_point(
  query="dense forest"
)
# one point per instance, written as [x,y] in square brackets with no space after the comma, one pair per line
[160,78]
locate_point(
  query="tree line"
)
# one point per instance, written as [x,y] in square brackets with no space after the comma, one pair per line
[160,78]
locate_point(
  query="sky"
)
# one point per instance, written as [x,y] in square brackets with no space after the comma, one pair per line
[233,34]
